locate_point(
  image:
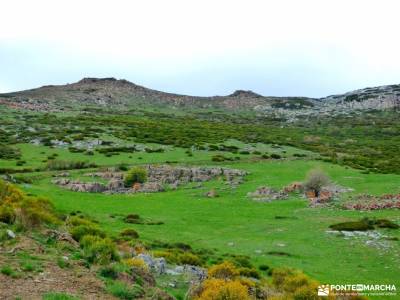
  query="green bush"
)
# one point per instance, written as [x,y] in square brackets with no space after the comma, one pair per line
[58,296]
[6,270]
[135,175]
[352,226]
[98,250]
[109,272]
[133,219]
[54,165]
[249,272]
[264,267]
[130,233]
[122,291]
[78,232]
[384,223]
[35,211]
[189,259]
[7,214]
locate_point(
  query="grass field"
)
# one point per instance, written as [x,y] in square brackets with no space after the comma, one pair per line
[233,223]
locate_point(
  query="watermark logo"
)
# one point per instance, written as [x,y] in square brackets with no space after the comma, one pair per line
[356,290]
[323,290]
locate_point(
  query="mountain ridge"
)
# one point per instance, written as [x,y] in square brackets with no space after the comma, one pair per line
[110,91]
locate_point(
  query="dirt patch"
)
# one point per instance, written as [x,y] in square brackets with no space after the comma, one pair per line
[75,280]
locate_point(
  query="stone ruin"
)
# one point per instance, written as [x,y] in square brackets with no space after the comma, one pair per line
[267,194]
[325,196]
[159,178]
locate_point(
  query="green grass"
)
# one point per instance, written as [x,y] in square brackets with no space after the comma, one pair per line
[252,227]
[58,296]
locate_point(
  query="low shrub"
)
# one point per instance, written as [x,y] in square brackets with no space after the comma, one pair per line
[121,290]
[136,262]
[109,272]
[316,179]
[189,259]
[16,207]
[7,214]
[132,218]
[225,270]
[275,156]
[58,296]
[219,289]
[135,175]
[264,267]
[54,165]
[6,270]
[34,211]
[384,223]
[249,272]
[98,250]
[352,226]
[130,233]
[80,231]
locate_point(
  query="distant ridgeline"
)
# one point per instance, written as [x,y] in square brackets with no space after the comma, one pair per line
[359,128]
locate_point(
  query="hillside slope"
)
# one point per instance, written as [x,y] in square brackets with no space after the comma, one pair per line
[110,92]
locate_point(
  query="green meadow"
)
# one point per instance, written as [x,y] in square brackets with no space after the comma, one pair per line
[278,233]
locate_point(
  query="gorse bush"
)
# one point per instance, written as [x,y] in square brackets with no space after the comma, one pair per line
[293,284]
[219,289]
[225,270]
[29,212]
[98,250]
[135,175]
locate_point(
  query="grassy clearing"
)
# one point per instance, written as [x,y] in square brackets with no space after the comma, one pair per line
[232,223]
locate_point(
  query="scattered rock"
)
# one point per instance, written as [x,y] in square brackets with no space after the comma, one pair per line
[212,193]
[266,194]
[157,265]
[10,234]
[158,177]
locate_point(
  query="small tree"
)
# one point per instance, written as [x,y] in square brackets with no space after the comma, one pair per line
[135,175]
[316,179]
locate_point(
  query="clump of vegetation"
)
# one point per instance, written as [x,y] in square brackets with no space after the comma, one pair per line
[7,152]
[28,212]
[56,164]
[58,296]
[98,250]
[316,180]
[109,272]
[221,158]
[179,257]
[121,290]
[79,227]
[129,233]
[364,224]
[225,271]
[135,175]
[275,156]
[385,223]
[132,218]
[293,284]
[222,289]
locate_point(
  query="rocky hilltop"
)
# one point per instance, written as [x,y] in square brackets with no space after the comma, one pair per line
[111,92]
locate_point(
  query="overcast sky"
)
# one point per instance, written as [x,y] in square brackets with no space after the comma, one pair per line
[203,47]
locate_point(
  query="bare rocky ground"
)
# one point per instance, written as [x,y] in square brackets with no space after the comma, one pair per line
[75,280]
